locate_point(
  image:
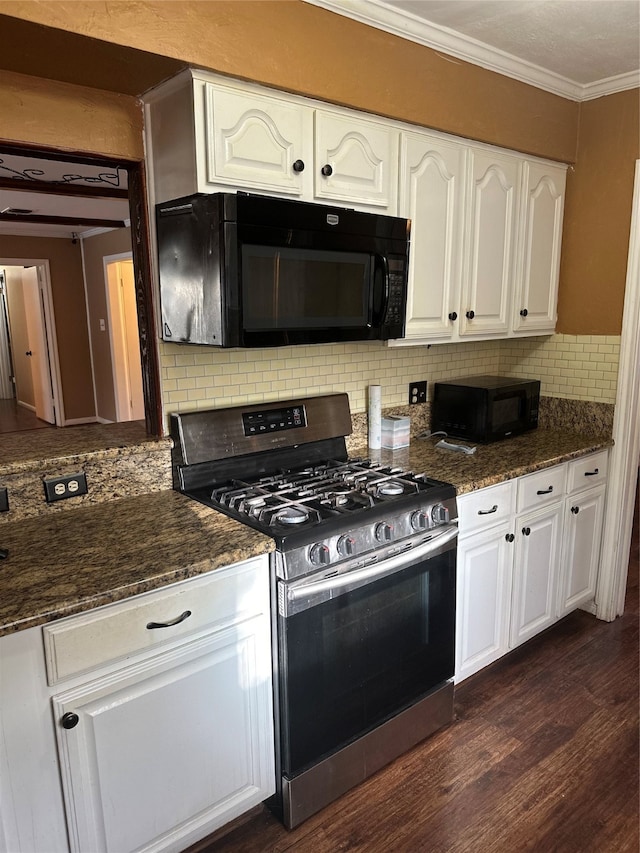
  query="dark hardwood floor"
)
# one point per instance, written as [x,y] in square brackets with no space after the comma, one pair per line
[542,756]
[14,418]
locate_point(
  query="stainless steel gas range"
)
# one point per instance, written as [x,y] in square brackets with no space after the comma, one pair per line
[363,583]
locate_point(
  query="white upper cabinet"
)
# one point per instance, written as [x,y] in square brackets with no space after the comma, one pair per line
[542,206]
[489,252]
[431,187]
[256,142]
[206,134]
[355,160]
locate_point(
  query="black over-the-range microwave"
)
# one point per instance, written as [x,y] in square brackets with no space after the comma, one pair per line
[485,408]
[244,270]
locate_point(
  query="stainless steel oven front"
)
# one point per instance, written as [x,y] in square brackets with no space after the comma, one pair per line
[365,669]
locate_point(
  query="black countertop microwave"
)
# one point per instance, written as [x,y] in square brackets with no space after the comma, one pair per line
[485,408]
[243,270]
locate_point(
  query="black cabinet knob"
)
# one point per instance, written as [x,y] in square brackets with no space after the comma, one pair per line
[575,510]
[526,531]
[28,352]
[327,170]
[524,312]
[298,166]
[453,316]
[470,315]
[509,537]
[69,720]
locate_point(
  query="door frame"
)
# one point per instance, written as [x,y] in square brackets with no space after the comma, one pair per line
[625,454]
[50,343]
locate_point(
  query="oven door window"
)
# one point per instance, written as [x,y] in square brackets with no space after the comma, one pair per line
[352,662]
[285,288]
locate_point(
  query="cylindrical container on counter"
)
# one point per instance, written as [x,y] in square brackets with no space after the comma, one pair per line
[375,417]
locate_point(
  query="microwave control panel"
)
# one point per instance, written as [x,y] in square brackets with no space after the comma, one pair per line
[395,306]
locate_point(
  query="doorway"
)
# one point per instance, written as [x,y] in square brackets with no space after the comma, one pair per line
[28,362]
[124,337]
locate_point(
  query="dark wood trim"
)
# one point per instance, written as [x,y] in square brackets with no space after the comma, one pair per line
[37,219]
[140,244]
[64,188]
[25,149]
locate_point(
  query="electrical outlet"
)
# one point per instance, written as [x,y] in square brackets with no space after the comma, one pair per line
[417,392]
[59,488]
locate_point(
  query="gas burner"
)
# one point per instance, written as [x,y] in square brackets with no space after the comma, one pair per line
[390,488]
[347,500]
[290,516]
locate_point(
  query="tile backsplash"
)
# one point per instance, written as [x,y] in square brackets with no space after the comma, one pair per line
[580,367]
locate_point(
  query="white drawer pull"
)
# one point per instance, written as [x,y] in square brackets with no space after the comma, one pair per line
[170,624]
[591,473]
[494,508]
[545,491]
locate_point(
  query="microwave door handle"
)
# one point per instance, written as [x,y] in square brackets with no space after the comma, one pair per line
[378,315]
[377,570]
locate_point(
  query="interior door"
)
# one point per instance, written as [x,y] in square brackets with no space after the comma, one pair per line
[37,351]
[125,341]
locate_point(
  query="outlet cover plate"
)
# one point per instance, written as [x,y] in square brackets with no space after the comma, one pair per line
[417,392]
[59,488]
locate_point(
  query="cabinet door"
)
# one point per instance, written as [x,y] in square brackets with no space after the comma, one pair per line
[257,142]
[355,161]
[489,251]
[431,184]
[168,750]
[535,304]
[535,575]
[483,599]
[581,555]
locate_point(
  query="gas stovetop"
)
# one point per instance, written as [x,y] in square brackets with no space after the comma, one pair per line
[322,509]
[300,497]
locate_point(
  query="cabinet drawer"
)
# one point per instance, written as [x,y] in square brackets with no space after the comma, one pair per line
[486,507]
[118,631]
[588,471]
[541,488]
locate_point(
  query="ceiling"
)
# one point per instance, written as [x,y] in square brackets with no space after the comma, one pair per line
[579,49]
[57,198]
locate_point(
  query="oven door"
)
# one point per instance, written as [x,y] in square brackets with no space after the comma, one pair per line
[358,648]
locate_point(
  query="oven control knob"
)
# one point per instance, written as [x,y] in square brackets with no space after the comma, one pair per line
[346,546]
[419,520]
[319,554]
[384,532]
[440,514]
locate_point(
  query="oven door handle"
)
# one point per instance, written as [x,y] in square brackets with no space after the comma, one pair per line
[377,570]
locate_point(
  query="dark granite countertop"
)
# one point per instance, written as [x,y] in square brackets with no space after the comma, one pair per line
[75,561]
[66,563]
[491,463]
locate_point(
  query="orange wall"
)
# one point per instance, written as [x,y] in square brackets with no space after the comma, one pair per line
[42,112]
[598,215]
[298,47]
[67,286]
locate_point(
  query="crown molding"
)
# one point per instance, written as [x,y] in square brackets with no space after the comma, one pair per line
[405,25]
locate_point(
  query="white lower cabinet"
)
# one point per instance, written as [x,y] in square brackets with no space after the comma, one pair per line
[528,554]
[483,592]
[158,748]
[483,599]
[535,575]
